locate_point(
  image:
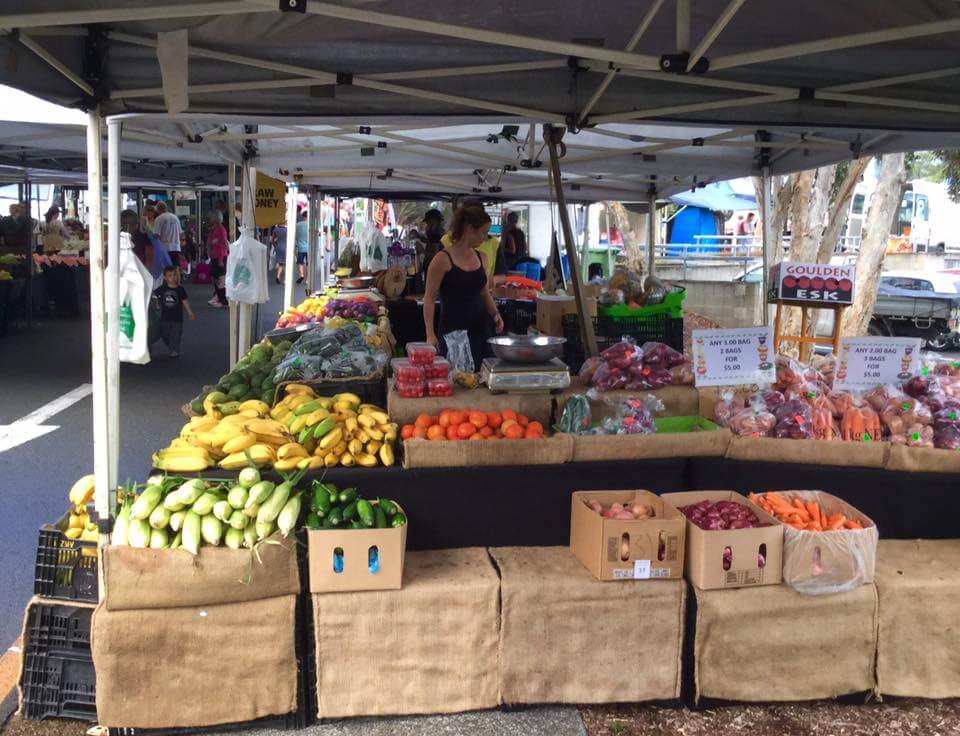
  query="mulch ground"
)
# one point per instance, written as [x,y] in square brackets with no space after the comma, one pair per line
[895,718]
[16,726]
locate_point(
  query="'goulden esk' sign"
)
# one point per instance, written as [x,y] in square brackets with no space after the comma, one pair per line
[813,282]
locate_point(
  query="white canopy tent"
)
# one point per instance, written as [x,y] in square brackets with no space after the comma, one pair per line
[774,91]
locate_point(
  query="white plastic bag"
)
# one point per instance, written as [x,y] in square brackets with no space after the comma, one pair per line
[136,289]
[246,279]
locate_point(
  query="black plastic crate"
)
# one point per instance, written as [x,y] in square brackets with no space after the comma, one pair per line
[370,390]
[58,678]
[518,315]
[65,568]
[60,629]
[610,330]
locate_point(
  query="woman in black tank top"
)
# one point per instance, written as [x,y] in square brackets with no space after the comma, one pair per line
[459,276]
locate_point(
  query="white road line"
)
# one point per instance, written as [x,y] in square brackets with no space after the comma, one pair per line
[31,426]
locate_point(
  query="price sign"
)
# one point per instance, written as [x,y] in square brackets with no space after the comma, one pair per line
[733,357]
[865,362]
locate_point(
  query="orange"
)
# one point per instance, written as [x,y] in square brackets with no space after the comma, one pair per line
[444,419]
[420,433]
[506,424]
[452,432]
[533,434]
[424,421]
[513,432]
[494,419]
[457,417]
[535,427]
[486,431]
[478,419]
[522,420]
[476,437]
[407,431]
[436,433]
[509,414]
[494,437]
[466,430]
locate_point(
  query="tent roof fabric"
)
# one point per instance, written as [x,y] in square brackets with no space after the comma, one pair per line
[824,80]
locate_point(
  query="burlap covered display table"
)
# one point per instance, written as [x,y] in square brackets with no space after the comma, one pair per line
[918,653]
[185,641]
[567,638]
[430,647]
[770,643]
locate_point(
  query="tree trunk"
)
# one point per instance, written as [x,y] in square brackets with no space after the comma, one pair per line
[840,210]
[873,244]
[629,226]
[781,192]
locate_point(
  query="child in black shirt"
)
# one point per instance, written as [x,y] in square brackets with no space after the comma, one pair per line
[173,300]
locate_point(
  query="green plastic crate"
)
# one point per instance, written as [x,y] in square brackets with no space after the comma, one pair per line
[672,305]
[676,425]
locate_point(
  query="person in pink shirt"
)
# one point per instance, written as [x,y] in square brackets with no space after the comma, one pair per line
[218,246]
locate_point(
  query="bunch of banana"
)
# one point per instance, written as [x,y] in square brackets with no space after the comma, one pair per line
[79,525]
[232,440]
[332,431]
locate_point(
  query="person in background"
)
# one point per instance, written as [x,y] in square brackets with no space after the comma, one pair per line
[217,247]
[173,301]
[280,250]
[149,219]
[53,231]
[302,236]
[513,244]
[142,245]
[460,277]
[433,231]
[167,228]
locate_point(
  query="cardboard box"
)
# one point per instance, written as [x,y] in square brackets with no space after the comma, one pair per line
[356,544]
[829,562]
[656,546]
[704,565]
[464,454]
[551,309]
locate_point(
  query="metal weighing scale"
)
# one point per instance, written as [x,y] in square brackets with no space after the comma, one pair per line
[502,376]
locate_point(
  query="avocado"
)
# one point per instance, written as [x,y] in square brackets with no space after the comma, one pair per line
[238,391]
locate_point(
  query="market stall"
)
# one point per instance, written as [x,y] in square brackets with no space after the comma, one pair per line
[327,457]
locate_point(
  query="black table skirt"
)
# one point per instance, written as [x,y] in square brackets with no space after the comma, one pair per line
[530,506]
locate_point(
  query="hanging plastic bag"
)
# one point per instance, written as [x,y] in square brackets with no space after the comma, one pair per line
[247,270]
[136,288]
[458,352]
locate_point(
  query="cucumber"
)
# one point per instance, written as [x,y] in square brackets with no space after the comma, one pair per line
[313,521]
[380,517]
[350,511]
[348,495]
[335,517]
[365,512]
[325,524]
[320,503]
[388,506]
[357,524]
[398,520]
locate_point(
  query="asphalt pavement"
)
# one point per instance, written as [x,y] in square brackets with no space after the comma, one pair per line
[40,365]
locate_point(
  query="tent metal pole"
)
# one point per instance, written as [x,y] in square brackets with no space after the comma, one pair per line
[467,71]
[652,232]
[631,45]
[336,237]
[232,232]
[891,81]
[553,137]
[112,300]
[698,81]
[585,248]
[794,50]
[768,238]
[683,26]
[132,13]
[312,239]
[290,266]
[725,17]
[619,117]
[478,35]
[98,327]
[888,102]
[54,62]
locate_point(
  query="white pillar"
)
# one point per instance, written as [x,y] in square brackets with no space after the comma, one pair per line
[289,271]
[232,232]
[98,327]
[249,222]
[652,233]
[769,237]
[112,291]
[585,249]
